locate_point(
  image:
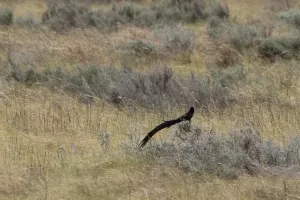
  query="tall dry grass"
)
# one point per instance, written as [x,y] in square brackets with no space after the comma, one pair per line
[54,146]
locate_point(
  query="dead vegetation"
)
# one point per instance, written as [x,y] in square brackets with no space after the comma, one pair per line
[81,82]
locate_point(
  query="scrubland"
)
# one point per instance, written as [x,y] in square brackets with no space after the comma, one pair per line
[82,82]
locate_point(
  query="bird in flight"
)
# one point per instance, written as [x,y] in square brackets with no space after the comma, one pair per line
[166,124]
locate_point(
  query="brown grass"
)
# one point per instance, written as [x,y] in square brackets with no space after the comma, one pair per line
[51,149]
[50,143]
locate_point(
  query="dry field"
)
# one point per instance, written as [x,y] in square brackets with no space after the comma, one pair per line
[75,104]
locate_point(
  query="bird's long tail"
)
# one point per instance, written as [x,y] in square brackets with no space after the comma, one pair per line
[144,142]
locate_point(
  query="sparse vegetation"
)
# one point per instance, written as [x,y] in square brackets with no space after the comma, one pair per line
[83,82]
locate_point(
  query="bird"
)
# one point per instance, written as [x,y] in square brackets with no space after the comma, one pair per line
[166,124]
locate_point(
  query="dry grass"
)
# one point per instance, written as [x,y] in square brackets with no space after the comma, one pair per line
[54,147]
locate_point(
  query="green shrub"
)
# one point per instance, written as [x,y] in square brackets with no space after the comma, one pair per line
[220,91]
[138,52]
[156,88]
[284,47]
[104,20]
[193,10]
[62,16]
[227,156]
[6,16]
[292,16]
[27,22]
[221,10]
[140,48]
[176,39]
[240,36]
[216,27]
[28,76]
[130,12]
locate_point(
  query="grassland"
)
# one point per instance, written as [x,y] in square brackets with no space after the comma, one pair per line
[76,100]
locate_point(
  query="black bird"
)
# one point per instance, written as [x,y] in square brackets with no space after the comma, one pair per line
[166,124]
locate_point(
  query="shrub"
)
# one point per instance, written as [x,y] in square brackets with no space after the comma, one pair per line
[147,18]
[138,52]
[130,12]
[292,17]
[284,47]
[239,36]
[171,12]
[157,88]
[273,155]
[125,14]
[140,48]
[61,16]
[292,152]
[27,22]
[103,20]
[218,87]
[6,16]
[227,156]
[29,76]
[184,12]
[192,10]
[242,36]
[176,39]
[221,10]
[216,27]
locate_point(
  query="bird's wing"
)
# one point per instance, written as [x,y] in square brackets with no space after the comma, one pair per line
[165,124]
[188,116]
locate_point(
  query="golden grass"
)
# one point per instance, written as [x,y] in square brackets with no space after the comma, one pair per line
[246,10]
[50,143]
[51,149]
[27,8]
